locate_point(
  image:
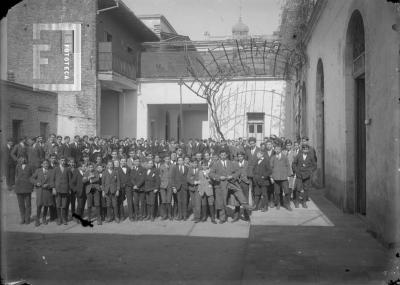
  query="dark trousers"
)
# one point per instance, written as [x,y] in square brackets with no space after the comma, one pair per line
[120,202]
[24,204]
[245,189]
[139,199]
[260,196]
[302,188]
[72,202]
[80,208]
[270,192]
[10,175]
[192,200]
[280,187]
[129,199]
[112,206]
[182,203]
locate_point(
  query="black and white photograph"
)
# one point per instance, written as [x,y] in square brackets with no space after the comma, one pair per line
[200,142]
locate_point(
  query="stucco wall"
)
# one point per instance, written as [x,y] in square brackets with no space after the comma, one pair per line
[236,99]
[110,113]
[328,43]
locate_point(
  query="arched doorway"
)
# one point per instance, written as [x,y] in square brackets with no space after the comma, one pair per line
[355,115]
[167,123]
[320,128]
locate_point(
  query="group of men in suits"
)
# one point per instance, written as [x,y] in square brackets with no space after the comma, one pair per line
[167,179]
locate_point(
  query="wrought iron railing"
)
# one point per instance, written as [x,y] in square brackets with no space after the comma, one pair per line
[110,61]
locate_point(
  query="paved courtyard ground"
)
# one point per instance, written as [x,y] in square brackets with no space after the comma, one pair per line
[318,245]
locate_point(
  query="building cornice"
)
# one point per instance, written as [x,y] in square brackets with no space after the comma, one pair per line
[314,18]
[26,87]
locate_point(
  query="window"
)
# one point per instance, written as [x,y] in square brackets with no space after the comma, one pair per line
[259,128]
[251,128]
[17,130]
[44,129]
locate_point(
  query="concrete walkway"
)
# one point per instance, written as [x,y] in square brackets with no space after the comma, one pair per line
[318,245]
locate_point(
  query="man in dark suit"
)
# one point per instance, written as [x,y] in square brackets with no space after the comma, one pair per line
[124,173]
[10,164]
[251,157]
[180,187]
[225,173]
[61,186]
[303,166]
[281,170]
[268,154]
[136,196]
[111,189]
[76,149]
[262,172]
[65,148]
[151,187]
[20,150]
[77,186]
[23,189]
[244,182]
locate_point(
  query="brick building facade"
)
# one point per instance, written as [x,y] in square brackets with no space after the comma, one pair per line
[109,51]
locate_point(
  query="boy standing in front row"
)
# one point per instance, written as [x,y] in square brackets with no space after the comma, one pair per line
[280,173]
[111,187]
[93,191]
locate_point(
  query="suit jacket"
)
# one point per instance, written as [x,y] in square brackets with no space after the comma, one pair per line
[23,183]
[165,175]
[61,179]
[76,151]
[18,151]
[49,148]
[7,155]
[189,150]
[217,170]
[205,185]
[124,179]
[151,180]
[281,168]
[179,180]
[77,183]
[262,171]
[266,155]
[193,175]
[137,177]
[252,160]
[39,177]
[110,181]
[243,168]
[303,168]
[93,183]
[66,151]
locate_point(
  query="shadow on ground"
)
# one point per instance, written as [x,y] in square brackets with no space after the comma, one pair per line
[123,259]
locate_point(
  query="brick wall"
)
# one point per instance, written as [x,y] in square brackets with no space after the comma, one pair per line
[77,111]
[30,106]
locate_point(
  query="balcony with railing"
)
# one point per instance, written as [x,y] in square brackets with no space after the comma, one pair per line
[113,65]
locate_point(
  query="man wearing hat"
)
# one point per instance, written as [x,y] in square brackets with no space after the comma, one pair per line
[303,166]
[306,140]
